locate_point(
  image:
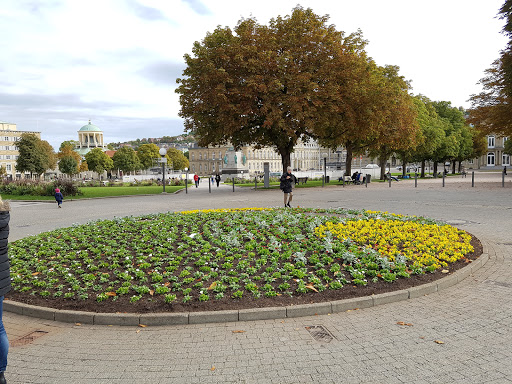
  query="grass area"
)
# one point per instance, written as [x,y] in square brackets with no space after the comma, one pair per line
[92,192]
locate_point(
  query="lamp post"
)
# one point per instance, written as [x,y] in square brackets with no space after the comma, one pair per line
[163,160]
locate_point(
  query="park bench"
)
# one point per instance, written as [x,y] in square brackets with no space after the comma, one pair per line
[302,180]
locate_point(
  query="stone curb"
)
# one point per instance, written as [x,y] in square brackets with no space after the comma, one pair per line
[269,313]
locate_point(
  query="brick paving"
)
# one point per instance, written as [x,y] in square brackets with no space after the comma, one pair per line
[470,321]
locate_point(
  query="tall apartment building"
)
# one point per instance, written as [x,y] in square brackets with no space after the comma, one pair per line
[9,136]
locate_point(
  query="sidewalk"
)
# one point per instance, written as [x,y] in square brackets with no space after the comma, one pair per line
[459,335]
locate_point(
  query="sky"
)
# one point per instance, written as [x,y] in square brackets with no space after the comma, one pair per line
[115,62]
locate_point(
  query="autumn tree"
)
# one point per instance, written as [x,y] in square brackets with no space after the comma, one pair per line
[98,161]
[126,160]
[176,159]
[262,84]
[35,155]
[68,159]
[491,110]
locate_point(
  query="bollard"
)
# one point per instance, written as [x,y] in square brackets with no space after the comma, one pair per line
[416,180]
[390,180]
[186,183]
[443,179]
[323,180]
[366,181]
[255,182]
[503,179]
[209,185]
[233,183]
[473,178]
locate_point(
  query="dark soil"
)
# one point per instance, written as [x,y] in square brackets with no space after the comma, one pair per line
[123,305]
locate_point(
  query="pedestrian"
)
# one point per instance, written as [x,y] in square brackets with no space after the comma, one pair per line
[217,179]
[212,179]
[196,180]
[5,283]
[286,185]
[58,197]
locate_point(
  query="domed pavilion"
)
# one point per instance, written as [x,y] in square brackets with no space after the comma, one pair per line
[89,137]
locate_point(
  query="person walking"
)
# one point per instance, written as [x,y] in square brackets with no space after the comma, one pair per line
[196,180]
[217,179]
[5,283]
[58,197]
[286,185]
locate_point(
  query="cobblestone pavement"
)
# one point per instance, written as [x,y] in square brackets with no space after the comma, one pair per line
[458,335]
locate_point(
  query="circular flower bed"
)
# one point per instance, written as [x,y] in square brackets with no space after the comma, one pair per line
[216,258]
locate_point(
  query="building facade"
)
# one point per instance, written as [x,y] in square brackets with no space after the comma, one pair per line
[89,137]
[306,156]
[9,137]
[494,158]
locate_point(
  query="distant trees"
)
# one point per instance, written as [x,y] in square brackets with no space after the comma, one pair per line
[98,161]
[70,162]
[147,154]
[176,159]
[126,160]
[35,155]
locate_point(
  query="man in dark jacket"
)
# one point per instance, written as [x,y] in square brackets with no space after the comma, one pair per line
[286,185]
[5,283]
[217,179]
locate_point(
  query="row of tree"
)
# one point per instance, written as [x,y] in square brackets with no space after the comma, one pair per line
[298,78]
[36,156]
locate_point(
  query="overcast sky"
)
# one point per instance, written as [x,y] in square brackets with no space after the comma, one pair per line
[115,62]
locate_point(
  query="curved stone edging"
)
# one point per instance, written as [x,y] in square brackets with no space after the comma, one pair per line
[269,313]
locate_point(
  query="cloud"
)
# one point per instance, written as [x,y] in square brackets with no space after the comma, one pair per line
[145,12]
[198,7]
[163,73]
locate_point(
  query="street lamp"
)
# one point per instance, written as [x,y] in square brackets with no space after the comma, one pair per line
[163,160]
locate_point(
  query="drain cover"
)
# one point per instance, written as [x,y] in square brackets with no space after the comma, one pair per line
[27,339]
[319,333]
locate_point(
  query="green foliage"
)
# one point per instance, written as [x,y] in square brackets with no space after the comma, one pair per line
[68,165]
[177,159]
[35,155]
[148,154]
[126,160]
[98,161]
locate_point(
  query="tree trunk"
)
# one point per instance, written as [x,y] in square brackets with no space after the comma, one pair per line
[422,168]
[404,168]
[285,152]
[454,163]
[382,164]
[460,167]
[348,162]
[435,169]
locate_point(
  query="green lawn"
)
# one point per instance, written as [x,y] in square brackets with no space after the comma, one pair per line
[92,192]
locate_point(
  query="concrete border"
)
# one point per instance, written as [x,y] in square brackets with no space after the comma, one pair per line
[269,313]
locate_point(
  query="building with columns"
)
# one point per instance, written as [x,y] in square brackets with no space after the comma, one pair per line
[89,137]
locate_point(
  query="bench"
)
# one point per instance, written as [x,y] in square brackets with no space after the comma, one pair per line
[302,180]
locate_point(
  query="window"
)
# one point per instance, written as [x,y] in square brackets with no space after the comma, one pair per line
[506,159]
[213,156]
[7,157]
[490,158]
[471,161]
[192,157]
[490,141]
[8,167]
[6,138]
[200,158]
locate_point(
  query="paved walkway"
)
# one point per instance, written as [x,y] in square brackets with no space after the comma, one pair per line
[471,321]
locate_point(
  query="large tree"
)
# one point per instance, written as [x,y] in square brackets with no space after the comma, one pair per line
[262,85]
[126,160]
[98,161]
[491,110]
[35,155]
[70,162]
